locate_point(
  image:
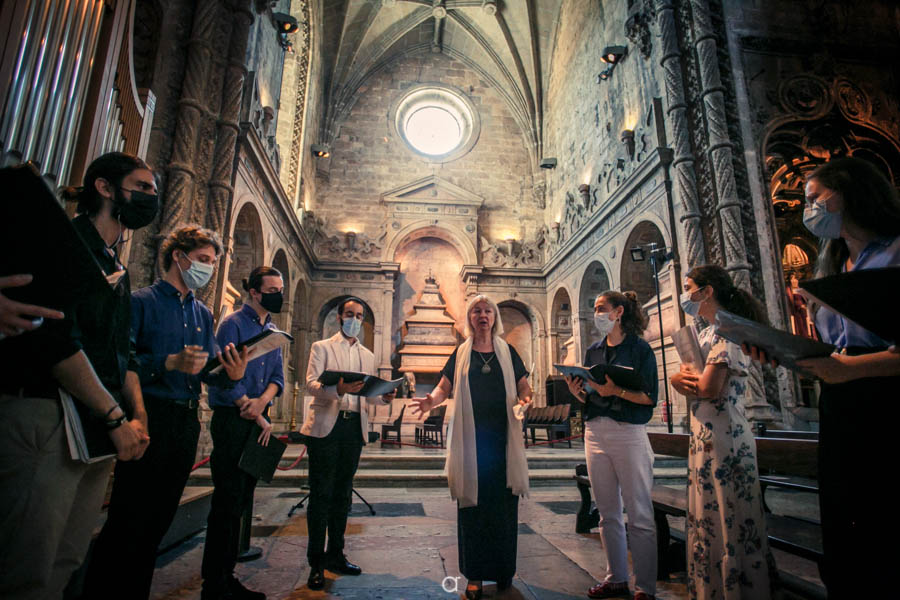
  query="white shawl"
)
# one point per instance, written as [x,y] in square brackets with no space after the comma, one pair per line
[462,460]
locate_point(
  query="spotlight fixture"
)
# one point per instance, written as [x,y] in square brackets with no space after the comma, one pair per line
[548,163]
[637,254]
[285,23]
[320,150]
[613,54]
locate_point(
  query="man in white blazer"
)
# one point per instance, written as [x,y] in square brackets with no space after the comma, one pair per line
[337,426]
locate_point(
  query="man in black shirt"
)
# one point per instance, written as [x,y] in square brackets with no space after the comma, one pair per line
[50,503]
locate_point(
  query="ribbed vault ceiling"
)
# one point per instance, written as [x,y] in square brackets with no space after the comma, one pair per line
[507,42]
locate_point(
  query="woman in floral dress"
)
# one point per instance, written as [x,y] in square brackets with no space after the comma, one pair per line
[728,551]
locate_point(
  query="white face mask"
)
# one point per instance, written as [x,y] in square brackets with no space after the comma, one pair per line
[603,324]
[351,327]
[197,275]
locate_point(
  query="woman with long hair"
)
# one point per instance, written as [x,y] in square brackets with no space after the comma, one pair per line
[616,447]
[486,466]
[855,211]
[727,546]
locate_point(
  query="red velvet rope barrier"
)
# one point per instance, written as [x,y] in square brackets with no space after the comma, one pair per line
[293,464]
[200,464]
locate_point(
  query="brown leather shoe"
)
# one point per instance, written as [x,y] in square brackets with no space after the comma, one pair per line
[608,589]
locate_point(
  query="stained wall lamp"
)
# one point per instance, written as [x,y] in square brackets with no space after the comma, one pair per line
[285,24]
[628,140]
[320,150]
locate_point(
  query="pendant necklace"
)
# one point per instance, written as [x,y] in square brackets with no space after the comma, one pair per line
[485,367]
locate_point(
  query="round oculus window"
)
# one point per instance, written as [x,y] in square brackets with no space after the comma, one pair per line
[433,130]
[436,122]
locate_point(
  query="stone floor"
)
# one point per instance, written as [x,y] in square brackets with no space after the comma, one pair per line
[408,551]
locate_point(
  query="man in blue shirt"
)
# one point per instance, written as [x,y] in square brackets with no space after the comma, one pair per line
[173,336]
[235,411]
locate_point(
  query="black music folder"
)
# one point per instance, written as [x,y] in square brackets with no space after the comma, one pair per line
[260,461]
[261,344]
[37,237]
[784,347]
[372,385]
[866,297]
[622,376]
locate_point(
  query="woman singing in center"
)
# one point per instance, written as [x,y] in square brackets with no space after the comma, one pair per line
[486,465]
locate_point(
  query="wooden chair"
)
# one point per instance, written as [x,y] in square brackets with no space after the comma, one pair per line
[393,428]
[431,430]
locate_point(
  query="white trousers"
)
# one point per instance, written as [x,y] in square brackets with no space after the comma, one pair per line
[620,466]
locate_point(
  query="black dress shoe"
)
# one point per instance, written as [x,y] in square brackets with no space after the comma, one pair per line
[316,579]
[343,566]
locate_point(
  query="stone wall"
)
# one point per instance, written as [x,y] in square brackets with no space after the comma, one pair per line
[368,159]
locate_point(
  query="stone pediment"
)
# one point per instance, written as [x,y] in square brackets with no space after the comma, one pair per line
[432,190]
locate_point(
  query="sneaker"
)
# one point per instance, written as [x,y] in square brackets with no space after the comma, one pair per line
[608,589]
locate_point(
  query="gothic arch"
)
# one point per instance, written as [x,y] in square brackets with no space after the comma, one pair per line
[247,246]
[430,228]
[560,323]
[637,276]
[594,281]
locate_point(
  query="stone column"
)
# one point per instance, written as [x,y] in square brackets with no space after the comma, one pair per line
[227,127]
[685,178]
[729,205]
[191,107]
[720,146]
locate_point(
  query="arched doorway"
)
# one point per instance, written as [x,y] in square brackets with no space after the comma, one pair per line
[638,275]
[283,319]
[328,322]
[593,283]
[561,328]
[247,247]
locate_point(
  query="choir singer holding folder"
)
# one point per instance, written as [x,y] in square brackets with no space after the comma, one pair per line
[235,411]
[337,427]
[616,447]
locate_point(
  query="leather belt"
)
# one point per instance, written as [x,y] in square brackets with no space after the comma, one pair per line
[348,414]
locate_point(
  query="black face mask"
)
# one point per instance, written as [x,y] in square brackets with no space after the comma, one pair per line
[137,212]
[272,302]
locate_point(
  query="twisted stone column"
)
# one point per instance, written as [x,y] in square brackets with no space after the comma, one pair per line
[720,147]
[685,178]
[191,106]
[227,126]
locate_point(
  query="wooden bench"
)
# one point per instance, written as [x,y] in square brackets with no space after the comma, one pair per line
[552,419]
[777,460]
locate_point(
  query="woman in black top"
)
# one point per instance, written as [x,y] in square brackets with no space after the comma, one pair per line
[486,465]
[616,446]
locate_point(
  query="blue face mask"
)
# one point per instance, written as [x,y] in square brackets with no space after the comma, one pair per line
[197,275]
[690,307]
[822,223]
[351,327]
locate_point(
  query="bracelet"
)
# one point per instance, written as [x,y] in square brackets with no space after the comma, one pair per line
[109,412]
[115,423]
[622,392]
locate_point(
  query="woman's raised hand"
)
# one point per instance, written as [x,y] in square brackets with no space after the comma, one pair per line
[422,405]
